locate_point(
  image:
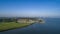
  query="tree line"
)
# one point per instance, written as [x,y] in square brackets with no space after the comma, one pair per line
[8,20]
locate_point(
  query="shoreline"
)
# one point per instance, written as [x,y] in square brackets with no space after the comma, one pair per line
[16,27]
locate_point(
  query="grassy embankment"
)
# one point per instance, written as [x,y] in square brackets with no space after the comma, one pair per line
[13,25]
[9,26]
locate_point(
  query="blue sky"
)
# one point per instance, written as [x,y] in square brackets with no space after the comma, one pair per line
[31,8]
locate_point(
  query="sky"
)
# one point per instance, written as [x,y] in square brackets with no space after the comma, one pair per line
[30,8]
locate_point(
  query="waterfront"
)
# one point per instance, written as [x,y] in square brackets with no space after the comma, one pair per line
[51,26]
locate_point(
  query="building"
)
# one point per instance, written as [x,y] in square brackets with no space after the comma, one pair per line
[29,20]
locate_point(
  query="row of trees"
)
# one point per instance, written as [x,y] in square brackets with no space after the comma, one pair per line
[8,20]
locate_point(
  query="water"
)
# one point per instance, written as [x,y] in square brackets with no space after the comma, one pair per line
[51,26]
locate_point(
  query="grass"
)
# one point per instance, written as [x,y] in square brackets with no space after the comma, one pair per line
[12,25]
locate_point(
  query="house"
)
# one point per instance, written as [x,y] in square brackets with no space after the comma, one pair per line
[24,20]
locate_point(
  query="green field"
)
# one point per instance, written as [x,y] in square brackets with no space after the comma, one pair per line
[12,25]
